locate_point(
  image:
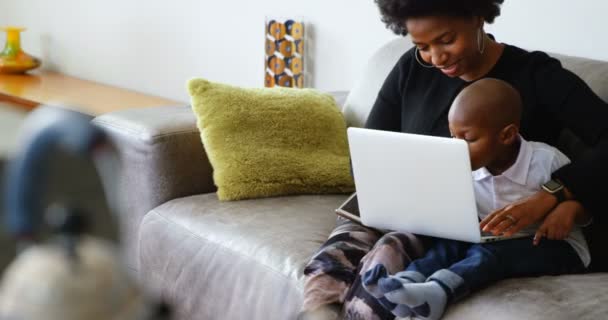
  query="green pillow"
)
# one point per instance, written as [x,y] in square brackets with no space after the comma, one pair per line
[271,141]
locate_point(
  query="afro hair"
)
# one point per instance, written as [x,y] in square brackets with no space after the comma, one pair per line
[395,12]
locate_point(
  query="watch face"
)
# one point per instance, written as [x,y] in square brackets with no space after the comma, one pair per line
[553,185]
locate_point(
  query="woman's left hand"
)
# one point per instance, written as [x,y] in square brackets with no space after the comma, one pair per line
[518,215]
[559,222]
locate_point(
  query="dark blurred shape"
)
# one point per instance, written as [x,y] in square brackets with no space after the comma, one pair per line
[53,165]
[81,275]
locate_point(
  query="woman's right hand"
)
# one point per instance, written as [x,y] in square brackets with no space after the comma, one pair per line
[516,216]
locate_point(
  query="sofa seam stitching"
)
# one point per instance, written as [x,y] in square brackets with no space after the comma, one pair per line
[139,134]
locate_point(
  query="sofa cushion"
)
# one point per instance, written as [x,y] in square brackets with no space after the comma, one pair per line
[548,297]
[244,260]
[234,260]
[265,142]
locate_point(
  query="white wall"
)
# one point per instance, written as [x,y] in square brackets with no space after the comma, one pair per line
[563,26]
[154,46]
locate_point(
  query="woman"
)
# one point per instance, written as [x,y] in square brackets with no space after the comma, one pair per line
[452,50]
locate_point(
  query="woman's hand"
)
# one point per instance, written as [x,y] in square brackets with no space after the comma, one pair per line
[516,216]
[559,222]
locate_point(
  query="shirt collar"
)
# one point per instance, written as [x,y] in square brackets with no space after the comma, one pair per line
[481,174]
[518,172]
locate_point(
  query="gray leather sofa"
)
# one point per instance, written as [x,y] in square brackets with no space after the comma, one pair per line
[244,259]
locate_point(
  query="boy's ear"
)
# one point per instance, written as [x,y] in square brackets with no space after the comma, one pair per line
[508,134]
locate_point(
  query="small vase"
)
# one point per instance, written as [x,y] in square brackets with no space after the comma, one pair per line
[13,59]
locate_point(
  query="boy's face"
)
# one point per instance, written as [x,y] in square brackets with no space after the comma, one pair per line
[484,143]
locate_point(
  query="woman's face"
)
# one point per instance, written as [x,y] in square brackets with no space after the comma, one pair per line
[448,43]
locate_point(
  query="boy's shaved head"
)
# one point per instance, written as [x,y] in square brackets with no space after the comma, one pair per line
[487,102]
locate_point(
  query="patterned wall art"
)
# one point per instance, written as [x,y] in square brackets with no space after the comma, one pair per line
[284,53]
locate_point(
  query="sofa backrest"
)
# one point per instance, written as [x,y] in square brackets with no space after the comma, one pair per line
[361,98]
[593,72]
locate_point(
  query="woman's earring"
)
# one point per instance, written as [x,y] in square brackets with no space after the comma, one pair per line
[416,55]
[481,41]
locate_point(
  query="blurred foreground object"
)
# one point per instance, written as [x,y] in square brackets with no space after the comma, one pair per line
[72,276]
[45,283]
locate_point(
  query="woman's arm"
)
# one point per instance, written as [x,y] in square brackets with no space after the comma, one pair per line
[386,112]
[567,101]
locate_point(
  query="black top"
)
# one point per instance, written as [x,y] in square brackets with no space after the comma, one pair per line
[415,99]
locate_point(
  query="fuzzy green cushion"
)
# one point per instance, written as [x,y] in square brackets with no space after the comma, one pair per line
[268,142]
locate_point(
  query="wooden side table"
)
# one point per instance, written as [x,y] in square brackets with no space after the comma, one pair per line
[45,87]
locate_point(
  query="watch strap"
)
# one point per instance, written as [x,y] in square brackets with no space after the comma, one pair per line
[560,195]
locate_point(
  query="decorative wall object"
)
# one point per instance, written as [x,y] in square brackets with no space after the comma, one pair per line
[13,59]
[284,58]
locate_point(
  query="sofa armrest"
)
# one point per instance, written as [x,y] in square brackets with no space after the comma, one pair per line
[161,157]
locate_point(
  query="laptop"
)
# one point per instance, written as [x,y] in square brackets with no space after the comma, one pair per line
[414,183]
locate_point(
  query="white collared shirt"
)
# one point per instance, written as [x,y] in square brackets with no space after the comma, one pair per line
[533,167]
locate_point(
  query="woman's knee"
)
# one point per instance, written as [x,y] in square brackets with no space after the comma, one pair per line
[408,243]
[394,251]
[341,254]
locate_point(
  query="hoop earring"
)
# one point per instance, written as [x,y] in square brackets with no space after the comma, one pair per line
[420,62]
[481,41]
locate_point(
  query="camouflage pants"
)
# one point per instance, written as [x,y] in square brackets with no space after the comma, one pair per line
[333,275]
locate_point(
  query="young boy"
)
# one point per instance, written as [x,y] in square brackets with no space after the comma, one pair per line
[507,168]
